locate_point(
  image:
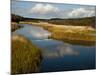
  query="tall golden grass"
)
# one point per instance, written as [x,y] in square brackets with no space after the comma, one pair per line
[26,57]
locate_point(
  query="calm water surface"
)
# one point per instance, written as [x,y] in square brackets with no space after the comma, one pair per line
[57,55]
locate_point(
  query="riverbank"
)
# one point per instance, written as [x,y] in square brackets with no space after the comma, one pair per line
[26,57]
[14,26]
[65,33]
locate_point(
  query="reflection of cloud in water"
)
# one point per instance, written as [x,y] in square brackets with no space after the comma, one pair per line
[61,51]
[39,33]
[44,40]
[34,32]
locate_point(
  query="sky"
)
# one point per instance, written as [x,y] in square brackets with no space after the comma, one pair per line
[44,10]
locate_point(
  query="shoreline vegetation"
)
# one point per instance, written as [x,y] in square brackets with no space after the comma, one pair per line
[26,57]
[14,26]
[78,34]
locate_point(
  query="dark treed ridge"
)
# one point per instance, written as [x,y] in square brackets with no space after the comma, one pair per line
[86,21]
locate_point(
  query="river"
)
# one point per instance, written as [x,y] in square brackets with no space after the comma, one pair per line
[58,55]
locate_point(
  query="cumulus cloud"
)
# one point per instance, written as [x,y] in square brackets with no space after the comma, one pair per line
[44,9]
[82,12]
[48,10]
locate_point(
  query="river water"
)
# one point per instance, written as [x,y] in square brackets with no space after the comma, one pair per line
[58,55]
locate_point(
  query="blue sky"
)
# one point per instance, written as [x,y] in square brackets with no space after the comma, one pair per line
[51,10]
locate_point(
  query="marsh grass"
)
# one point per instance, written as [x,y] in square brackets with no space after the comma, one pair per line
[75,40]
[72,34]
[26,57]
[77,34]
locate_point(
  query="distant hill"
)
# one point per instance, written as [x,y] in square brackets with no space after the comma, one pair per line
[34,19]
[86,21]
[17,18]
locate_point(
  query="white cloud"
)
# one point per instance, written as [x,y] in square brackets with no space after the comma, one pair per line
[43,9]
[46,10]
[82,12]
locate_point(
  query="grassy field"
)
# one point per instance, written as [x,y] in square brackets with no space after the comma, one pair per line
[73,34]
[74,38]
[26,57]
